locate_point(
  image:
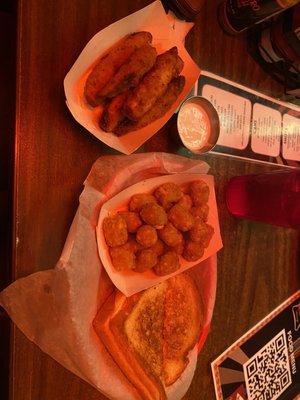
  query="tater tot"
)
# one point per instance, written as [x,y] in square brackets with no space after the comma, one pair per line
[168,192]
[132,219]
[192,251]
[146,236]
[170,235]
[158,247]
[138,200]
[154,215]
[199,192]
[146,259]
[122,258]
[201,232]
[181,218]
[200,212]
[185,202]
[132,245]
[179,247]
[115,230]
[167,263]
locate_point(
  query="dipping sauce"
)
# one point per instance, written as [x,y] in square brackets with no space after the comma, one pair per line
[198,124]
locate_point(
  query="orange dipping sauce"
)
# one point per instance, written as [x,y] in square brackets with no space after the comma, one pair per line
[198,125]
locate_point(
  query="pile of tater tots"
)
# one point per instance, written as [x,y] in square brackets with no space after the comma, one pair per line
[157,228]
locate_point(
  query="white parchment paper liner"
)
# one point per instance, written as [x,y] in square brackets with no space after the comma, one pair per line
[55,308]
[131,282]
[167,32]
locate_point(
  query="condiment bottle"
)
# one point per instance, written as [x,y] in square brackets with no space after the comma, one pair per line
[276,47]
[236,16]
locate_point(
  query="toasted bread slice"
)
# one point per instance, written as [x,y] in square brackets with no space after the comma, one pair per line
[182,324]
[144,326]
[150,334]
[109,325]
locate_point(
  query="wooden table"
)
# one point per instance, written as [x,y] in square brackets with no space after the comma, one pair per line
[53,154]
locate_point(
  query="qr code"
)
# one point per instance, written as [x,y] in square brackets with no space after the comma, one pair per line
[267,373]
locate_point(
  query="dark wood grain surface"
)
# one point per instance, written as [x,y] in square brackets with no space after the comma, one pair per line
[257,266]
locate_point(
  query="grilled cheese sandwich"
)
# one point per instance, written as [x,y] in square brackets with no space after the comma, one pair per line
[150,334]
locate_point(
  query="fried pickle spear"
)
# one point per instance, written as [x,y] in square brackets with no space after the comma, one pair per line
[130,73]
[167,66]
[112,114]
[163,104]
[108,65]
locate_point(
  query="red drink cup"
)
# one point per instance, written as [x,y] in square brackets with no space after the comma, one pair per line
[272,197]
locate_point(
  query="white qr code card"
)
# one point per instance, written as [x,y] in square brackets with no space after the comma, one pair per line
[264,364]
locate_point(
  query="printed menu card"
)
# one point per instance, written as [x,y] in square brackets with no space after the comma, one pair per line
[264,364]
[253,126]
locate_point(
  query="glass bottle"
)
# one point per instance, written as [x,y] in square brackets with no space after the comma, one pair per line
[236,16]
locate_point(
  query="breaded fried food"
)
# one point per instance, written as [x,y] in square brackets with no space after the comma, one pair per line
[138,200]
[200,212]
[199,192]
[192,251]
[162,105]
[154,215]
[179,247]
[168,192]
[130,73]
[132,219]
[122,258]
[132,244]
[112,114]
[108,65]
[115,230]
[186,202]
[170,235]
[158,247]
[181,218]
[201,232]
[145,260]
[146,236]
[167,263]
[167,66]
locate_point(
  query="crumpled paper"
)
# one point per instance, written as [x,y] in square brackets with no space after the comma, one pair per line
[55,308]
